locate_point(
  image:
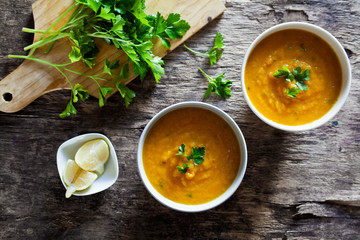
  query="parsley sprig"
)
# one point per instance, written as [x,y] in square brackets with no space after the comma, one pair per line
[298,76]
[123,24]
[197,155]
[215,52]
[217,85]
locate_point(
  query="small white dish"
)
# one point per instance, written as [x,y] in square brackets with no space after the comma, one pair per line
[344,63]
[68,149]
[217,201]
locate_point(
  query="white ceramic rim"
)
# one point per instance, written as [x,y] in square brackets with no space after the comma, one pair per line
[227,193]
[339,51]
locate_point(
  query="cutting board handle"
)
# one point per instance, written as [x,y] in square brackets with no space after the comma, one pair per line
[29,81]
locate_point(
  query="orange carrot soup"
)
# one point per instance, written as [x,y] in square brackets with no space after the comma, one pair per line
[293,77]
[190,132]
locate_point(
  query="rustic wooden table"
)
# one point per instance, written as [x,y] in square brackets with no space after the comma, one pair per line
[297,186]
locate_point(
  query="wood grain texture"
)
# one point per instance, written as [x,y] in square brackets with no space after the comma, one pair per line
[32,79]
[297,186]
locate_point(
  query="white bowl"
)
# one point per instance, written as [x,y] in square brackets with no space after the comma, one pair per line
[68,149]
[221,198]
[339,51]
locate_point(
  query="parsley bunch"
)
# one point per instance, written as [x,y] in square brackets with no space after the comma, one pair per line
[297,75]
[197,155]
[123,24]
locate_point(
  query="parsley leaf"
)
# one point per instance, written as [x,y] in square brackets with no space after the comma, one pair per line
[85,46]
[292,92]
[300,77]
[75,54]
[153,62]
[78,91]
[106,13]
[183,169]
[171,28]
[108,67]
[126,93]
[70,109]
[285,72]
[217,85]
[124,73]
[181,150]
[197,155]
[103,91]
[215,52]
[93,4]
[296,75]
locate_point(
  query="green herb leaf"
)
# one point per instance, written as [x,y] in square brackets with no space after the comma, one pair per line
[75,54]
[183,169]
[125,92]
[103,91]
[215,52]
[298,76]
[78,91]
[93,4]
[301,76]
[85,44]
[209,90]
[197,155]
[138,11]
[181,150]
[128,48]
[118,26]
[124,73]
[70,109]
[106,13]
[302,85]
[285,72]
[153,62]
[109,66]
[217,85]
[176,28]
[292,92]
[170,28]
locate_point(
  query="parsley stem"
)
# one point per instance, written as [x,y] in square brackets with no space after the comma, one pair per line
[49,47]
[105,36]
[205,75]
[66,77]
[86,75]
[30,30]
[195,52]
[51,26]
[75,13]
[43,42]
[33,59]
[61,66]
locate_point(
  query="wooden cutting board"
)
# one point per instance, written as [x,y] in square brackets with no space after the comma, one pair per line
[31,79]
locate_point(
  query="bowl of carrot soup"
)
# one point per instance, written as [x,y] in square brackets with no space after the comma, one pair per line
[192,156]
[296,76]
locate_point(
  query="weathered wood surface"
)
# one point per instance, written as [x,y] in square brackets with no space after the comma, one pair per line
[297,185]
